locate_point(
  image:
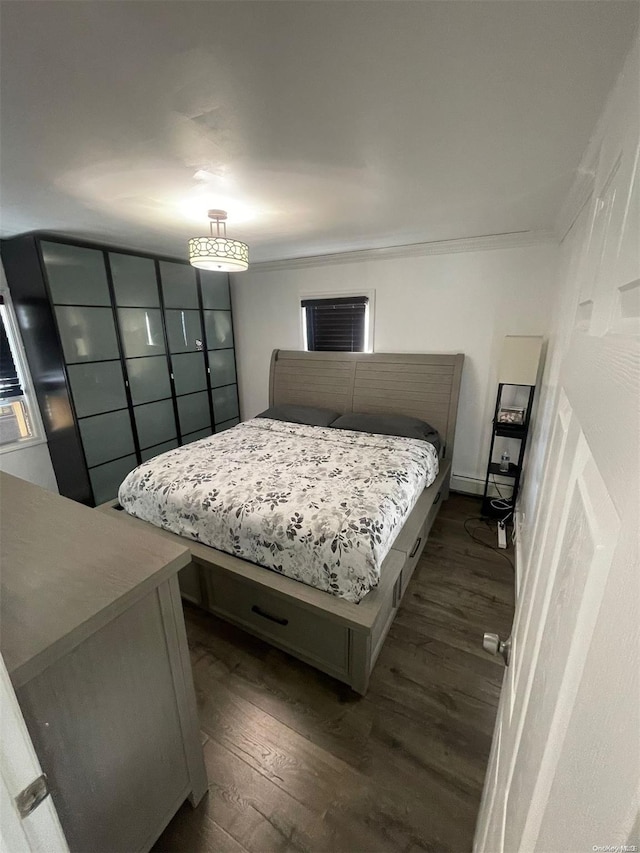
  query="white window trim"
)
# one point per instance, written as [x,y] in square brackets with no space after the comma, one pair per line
[26,383]
[340,294]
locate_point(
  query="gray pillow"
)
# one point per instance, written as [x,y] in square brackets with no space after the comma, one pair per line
[300,415]
[389,425]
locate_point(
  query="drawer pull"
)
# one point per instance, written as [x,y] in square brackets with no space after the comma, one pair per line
[415,547]
[436,499]
[259,612]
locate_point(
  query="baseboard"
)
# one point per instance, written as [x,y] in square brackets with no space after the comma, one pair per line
[471,486]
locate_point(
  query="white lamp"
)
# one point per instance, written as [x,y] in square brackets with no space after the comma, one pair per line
[520,359]
[218,252]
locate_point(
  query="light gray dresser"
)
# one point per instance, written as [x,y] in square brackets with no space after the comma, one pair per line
[93,638]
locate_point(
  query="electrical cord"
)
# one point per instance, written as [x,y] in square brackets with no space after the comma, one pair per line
[501,503]
[487,524]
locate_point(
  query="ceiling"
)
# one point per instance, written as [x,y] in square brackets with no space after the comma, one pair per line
[321,126]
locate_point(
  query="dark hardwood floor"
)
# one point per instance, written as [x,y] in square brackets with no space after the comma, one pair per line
[296,761]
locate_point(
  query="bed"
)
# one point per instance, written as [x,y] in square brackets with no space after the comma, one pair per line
[340,633]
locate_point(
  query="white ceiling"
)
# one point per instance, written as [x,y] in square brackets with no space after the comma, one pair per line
[321,126]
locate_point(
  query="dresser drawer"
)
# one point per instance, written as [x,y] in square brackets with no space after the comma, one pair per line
[261,612]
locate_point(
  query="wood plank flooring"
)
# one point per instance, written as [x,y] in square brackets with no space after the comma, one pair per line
[296,761]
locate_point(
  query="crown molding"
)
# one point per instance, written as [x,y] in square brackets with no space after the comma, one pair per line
[511,240]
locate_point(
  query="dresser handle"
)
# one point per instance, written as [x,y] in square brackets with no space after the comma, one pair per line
[259,612]
[436,499]
[415,547]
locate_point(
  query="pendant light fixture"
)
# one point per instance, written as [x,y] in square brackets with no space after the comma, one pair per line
[218,252]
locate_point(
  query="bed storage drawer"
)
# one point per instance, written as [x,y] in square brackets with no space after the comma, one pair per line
[309,635]
[412,538]
[413,556]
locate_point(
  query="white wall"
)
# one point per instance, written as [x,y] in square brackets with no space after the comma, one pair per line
[32,461]
[459,302]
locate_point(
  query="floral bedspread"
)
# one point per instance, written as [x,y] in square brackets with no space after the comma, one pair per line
[316,504]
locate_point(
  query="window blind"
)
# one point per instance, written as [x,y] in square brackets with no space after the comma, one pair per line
[336,324]
[9,381]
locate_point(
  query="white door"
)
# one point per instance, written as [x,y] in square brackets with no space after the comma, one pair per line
[39,832]
[564,772]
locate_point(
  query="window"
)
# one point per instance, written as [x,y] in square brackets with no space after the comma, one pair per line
[16,421]
[338,324]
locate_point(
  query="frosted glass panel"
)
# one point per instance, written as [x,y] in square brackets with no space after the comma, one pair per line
[148,379]
[76,276]
[106,437]
[106,479]
[88,334]
[215,290]
[225,403]
[222,366]
[196,436]
[219,330]
[97,387]
[141,330]
[134,280]
[227,425]
[178,285]
[184,331]
[150,452]
[193,411]
[189,372]
[155,423]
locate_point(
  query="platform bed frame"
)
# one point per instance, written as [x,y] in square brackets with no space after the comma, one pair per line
[333,635]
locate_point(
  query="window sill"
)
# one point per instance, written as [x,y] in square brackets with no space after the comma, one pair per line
[22,445]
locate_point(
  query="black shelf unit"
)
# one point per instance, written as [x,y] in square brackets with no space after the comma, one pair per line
[519,432]
[131,354]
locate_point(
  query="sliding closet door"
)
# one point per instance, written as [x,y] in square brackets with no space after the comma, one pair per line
[216,304]
[186,349]
[131,356]
[81,299]
[137,298]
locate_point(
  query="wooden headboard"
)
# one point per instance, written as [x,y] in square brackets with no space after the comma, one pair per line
[422,385]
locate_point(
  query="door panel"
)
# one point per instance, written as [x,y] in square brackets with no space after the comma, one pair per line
[155,423]
[178,285]
[184,331]
[222,364]
[77,276]
[87,334]
[106,437]
[148,379]
[106,479]
[215,290]
[225,403]
[189,372]
[536,594]
[134,281]
[193,411]
[97,387]
[141,330]
[585,542]
[219,329]
[566,758]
